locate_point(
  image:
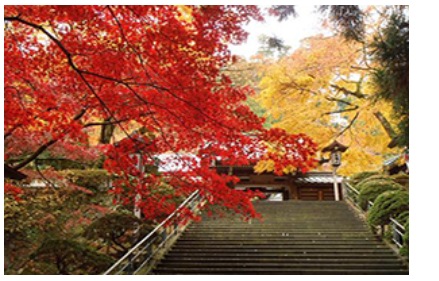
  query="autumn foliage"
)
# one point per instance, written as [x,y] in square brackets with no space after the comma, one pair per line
[325,89]
[153,72]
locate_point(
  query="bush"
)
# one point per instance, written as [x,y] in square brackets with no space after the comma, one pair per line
[400,176]
[380,177]
[38,268]
[405,247]
[402,179]
[120,231]
[372,189]
[388,205]
[355,179]
[403,218]
[93,179]
[71,257]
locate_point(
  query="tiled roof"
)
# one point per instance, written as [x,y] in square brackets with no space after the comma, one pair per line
[317,177]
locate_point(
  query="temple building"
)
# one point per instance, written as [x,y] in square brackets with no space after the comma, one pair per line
[311,186]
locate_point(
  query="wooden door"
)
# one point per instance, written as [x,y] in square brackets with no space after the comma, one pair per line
[316,193]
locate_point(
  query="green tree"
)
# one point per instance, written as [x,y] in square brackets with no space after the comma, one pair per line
[390,50]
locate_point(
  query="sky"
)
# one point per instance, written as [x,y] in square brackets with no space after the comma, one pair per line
[292,30]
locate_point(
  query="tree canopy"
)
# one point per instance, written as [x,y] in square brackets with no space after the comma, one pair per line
[150,75]
[351,85]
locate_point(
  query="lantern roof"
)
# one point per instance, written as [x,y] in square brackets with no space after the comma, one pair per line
[335,146]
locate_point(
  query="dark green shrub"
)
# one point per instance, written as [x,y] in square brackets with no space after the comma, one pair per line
[372,189]
[402,179]
[388,205]
[120,231]
[71,257]
[403,218]
[380,177]
[399,176]
[355,179]
[93,179]
[404,251]
[39,268]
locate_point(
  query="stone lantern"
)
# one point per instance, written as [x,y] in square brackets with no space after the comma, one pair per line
[335,149]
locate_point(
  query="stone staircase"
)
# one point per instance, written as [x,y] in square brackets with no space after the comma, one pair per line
[296,237]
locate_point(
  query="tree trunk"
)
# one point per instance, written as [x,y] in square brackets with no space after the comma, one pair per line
[107,132]
[387,127]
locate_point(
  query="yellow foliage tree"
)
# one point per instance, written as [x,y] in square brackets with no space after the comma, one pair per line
[324,89]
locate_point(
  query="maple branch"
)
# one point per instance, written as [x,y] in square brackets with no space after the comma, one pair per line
[361,68]
[128,84]
[160,89]
[347,92]
[67,54]
[142,63]
[339,100]
[81,75]
[114,122]
[37,167]
[148,103]
[296,86]
[9,133]
[355,107]
[381,118]
[349,126]
[81,72]
[45,146]
[159,127]
[12,130]
[35,154]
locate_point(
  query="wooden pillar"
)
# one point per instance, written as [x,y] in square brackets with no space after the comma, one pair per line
[286,194]
[336,185]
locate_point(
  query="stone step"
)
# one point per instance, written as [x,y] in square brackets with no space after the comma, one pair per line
[293,238]
[272,221]
[348,250]
[296,213]
[277,237]
[283,271]
[279,222]
[280,240]
[282,226]
[279,234]
[289,224]
[256,247]
[277,259]
[286,218]
[354,243]
[288,265]
[279,230]
[298,255]
[282,232]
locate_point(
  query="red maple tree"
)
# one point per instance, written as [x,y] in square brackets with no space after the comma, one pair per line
[69,69]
